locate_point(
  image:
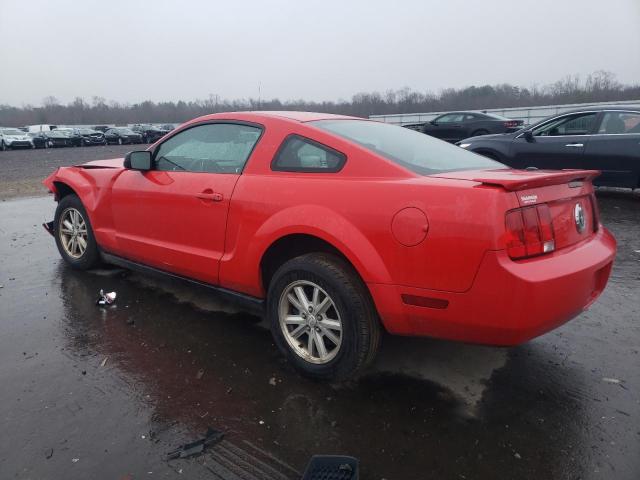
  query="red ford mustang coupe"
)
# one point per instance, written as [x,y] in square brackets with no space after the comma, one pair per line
[340,227]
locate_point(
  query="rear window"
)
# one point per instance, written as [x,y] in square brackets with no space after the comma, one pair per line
[415,151]
[495,116]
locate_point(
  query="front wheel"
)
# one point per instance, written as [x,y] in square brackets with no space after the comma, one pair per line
[74,235]
[322,317]
[479,133]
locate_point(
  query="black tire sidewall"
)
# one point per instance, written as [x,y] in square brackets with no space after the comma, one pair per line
[351,313]
[91,255]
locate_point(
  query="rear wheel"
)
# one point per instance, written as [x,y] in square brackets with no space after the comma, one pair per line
[74,235]
[322,317]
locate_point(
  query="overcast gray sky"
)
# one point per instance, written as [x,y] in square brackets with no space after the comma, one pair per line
[132,50]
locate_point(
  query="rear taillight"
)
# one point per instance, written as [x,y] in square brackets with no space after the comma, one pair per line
[511,124]
[529,232]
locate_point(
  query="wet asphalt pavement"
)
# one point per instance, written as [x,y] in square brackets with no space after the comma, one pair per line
[105,393]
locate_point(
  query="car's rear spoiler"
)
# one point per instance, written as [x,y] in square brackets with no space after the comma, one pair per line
[537,178]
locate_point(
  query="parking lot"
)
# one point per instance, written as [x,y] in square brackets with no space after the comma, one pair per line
[112,390]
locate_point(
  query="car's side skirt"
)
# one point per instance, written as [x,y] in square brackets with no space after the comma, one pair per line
[253,304]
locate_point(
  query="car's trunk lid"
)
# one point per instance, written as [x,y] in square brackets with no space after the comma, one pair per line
[568,194]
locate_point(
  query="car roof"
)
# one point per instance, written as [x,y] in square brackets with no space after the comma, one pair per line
[288,115]
[598,108]
[457,112]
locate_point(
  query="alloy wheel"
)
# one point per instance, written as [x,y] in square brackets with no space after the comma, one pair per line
[310,322]
[73,233]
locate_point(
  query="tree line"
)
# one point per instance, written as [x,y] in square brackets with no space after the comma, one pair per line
[600,86]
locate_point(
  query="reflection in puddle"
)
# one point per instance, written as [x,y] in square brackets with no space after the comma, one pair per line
[197,364]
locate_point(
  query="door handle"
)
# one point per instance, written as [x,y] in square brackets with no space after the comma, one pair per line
[579,145]
[209,194]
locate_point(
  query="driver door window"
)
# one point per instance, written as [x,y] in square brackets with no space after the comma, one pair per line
[580,124]
[210,148]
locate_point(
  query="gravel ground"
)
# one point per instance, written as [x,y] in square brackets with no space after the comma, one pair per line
[22,171]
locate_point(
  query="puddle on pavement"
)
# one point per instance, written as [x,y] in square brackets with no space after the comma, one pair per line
[199,362]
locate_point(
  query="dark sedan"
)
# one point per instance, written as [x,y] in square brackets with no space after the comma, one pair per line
[39,139]
[60,138]
[455,126]
[73,133]
[150,133]
[122,135]
[91,137]
[605,138]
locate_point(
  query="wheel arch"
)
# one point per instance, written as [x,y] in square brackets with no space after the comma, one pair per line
[291,246]
[63,189]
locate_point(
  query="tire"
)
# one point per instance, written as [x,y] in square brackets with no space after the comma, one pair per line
[358,339]
[478,133]
[67,208]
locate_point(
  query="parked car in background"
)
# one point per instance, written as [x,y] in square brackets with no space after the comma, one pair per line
[166,127]
[91,137]
[414,126]
[101,128]
[13,138]
[40,139]
[121,136]
[455,126]
[77,140]
[149,133]
[605,138]
[338,228]
[60,138]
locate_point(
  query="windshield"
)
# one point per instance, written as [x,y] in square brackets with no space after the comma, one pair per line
[11,131]
[87,131]
[416,151]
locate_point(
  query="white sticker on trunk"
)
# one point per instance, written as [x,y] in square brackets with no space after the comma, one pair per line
[529,198]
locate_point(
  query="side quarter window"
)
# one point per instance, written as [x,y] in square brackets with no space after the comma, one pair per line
[300,154]
[210,148]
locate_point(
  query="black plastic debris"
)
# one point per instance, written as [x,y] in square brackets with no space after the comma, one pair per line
[48,226]
[106,298]
[212,437]
[334,467]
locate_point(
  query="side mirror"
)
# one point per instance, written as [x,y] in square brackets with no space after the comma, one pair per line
[528,136]
[138,160]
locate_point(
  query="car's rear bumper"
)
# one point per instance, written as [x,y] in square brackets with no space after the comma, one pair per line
[509,302]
